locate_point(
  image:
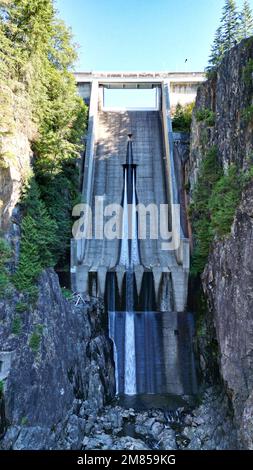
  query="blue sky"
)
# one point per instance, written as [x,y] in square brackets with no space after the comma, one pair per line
[142,35]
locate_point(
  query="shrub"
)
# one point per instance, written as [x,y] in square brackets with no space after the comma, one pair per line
[206,115]
[202,239]
[211,73]
[68,294]
[16,325]
[35,339]
[215,199]
[5,255]
[21,307]
[209,173]
[39,329]
[34,342]
[39,236]
[247,114]
[4,283]
[59,192]
[5,252]
[248,73]
[1,388]
[228,190]
[24,421]
[182,118]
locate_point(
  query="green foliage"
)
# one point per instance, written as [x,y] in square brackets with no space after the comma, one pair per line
[1,389]
[228,190]
[182,118]
[16,325]
[35,339]
[209,173]
[4,283]
[203,137]
[206,115]
[59,191]
[37,56]
[230,24]
[248,73]
[246,21]
[5,255]
[68,294]
[21,307]
[247,114]
[24,421]
[46,238]
[38,241]
[201,309]
[215,199]
[248,175]
[39,328]
[233,28]
[217,52]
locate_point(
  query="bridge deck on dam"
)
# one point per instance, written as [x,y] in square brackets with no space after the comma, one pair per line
[149,156]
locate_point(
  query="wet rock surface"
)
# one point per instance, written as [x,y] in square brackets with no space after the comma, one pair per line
[209,426]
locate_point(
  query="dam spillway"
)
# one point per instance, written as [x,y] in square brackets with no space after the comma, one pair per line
[143,284]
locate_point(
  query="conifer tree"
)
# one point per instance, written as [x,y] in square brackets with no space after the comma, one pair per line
[37,56]
[5,45]
[230,25]
[38,242]
[227,35]
[246,21]
[5,256]
[29,261]
[217,50]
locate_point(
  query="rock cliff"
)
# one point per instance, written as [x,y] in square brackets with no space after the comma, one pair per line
[227,282]
[227,279]
[52,355]
[16,133]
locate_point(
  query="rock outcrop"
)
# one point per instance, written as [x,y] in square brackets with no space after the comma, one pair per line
[227,95]
[227,280]
[208,427]
[52,354]
[16,133]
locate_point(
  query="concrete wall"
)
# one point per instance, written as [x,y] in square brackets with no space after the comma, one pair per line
[182,86]
[183,93]
[103,176]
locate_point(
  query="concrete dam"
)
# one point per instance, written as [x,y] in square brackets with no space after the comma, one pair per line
[142,275]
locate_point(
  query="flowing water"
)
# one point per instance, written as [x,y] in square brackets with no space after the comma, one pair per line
[130,258]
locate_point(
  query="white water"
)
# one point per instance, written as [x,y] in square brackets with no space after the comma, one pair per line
[129,260]
[130,359]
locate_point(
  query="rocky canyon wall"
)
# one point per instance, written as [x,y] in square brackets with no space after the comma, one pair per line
[53,356]
[17,130]
[228,277]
